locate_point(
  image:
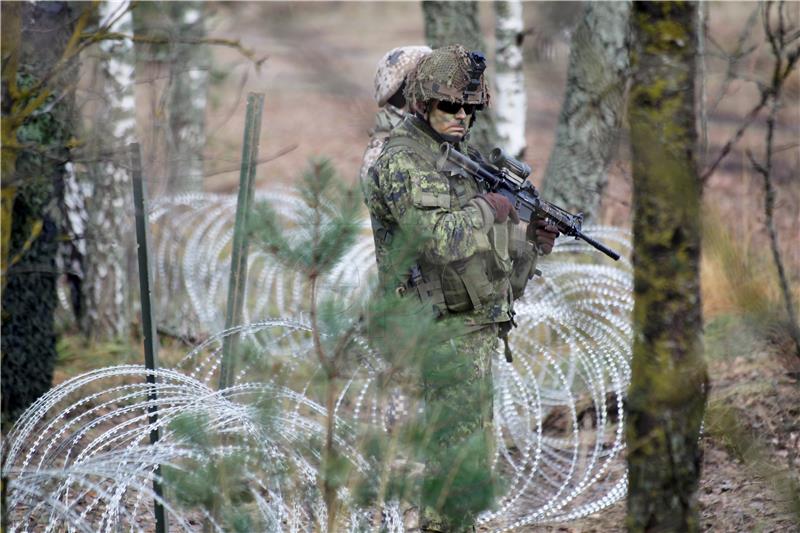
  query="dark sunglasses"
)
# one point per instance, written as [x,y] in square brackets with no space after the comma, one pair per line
[453,107]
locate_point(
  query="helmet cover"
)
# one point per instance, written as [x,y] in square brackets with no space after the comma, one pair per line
[452,74]
[393,68]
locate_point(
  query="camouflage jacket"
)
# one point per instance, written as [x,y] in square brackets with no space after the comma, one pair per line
[470,266]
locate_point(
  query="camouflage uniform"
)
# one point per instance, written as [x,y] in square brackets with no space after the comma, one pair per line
[457,391]
[471,267]
[469,271]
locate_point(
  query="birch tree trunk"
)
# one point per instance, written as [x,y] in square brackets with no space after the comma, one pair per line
[110,126]
[449,23]
[669,382]
[35,139]
[588,126]
[510,102]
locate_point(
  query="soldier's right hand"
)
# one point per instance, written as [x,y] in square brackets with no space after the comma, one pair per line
[543,233]
[502,207]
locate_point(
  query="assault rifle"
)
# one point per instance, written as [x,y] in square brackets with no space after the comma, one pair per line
[508,176]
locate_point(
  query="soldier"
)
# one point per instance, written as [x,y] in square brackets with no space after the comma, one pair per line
[476,261]
[390,81]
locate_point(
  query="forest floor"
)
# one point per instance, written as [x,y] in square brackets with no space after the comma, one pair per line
[746,470]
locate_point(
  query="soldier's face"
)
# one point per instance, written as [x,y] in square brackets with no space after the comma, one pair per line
[448,125]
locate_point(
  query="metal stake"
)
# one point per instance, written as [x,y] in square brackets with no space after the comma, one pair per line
[148,324]
[238,276]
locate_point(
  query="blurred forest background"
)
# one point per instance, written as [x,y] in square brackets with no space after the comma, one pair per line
[318,78]
[195,62]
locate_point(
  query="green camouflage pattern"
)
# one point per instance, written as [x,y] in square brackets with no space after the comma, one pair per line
[458,479]
[402,189]
[405,189]
[406,193]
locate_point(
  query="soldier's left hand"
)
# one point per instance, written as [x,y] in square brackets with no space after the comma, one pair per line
[543,234]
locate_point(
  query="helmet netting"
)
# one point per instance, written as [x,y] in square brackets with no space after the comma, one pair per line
[445,75]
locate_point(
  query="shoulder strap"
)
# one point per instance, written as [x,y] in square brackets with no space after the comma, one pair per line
[404,141]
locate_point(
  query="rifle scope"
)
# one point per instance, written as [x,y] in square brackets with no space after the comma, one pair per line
[499,158]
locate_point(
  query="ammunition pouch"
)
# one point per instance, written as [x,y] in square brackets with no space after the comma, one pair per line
[430,293]
[524,255]
[465,285]
[500,265]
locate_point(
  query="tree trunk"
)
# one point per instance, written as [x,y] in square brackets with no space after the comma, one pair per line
[588,126]
[178,141]
[187,99]
[71,257]
[449,23]
[39,153]
[510,103]
[109,128]
[669,383]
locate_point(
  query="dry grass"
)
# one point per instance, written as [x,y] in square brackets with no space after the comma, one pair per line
[77,356]
[737,272]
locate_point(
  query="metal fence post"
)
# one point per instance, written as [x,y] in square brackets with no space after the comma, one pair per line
[238,275]
[148,322]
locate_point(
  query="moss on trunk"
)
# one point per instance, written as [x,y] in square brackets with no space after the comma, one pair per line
[39,121]
[669,379]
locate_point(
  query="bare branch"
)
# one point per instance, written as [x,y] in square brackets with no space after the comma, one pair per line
[768,92]
[756,165]
[115,17]
[792,61]
[276,155]
[751,116]
[768,29]
[235,44]
[81,40]
[785,147]
[734,58]
[777,42]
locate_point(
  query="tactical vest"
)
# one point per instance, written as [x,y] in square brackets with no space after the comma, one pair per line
[480,282]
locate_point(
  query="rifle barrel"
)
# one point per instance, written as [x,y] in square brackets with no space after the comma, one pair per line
[608,251]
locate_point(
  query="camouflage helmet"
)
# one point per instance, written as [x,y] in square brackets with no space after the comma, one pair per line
[393,68]
[451,73]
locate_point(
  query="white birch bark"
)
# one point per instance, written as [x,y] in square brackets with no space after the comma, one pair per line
[511,103]
[110,128]
[593,108]
[72,250]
